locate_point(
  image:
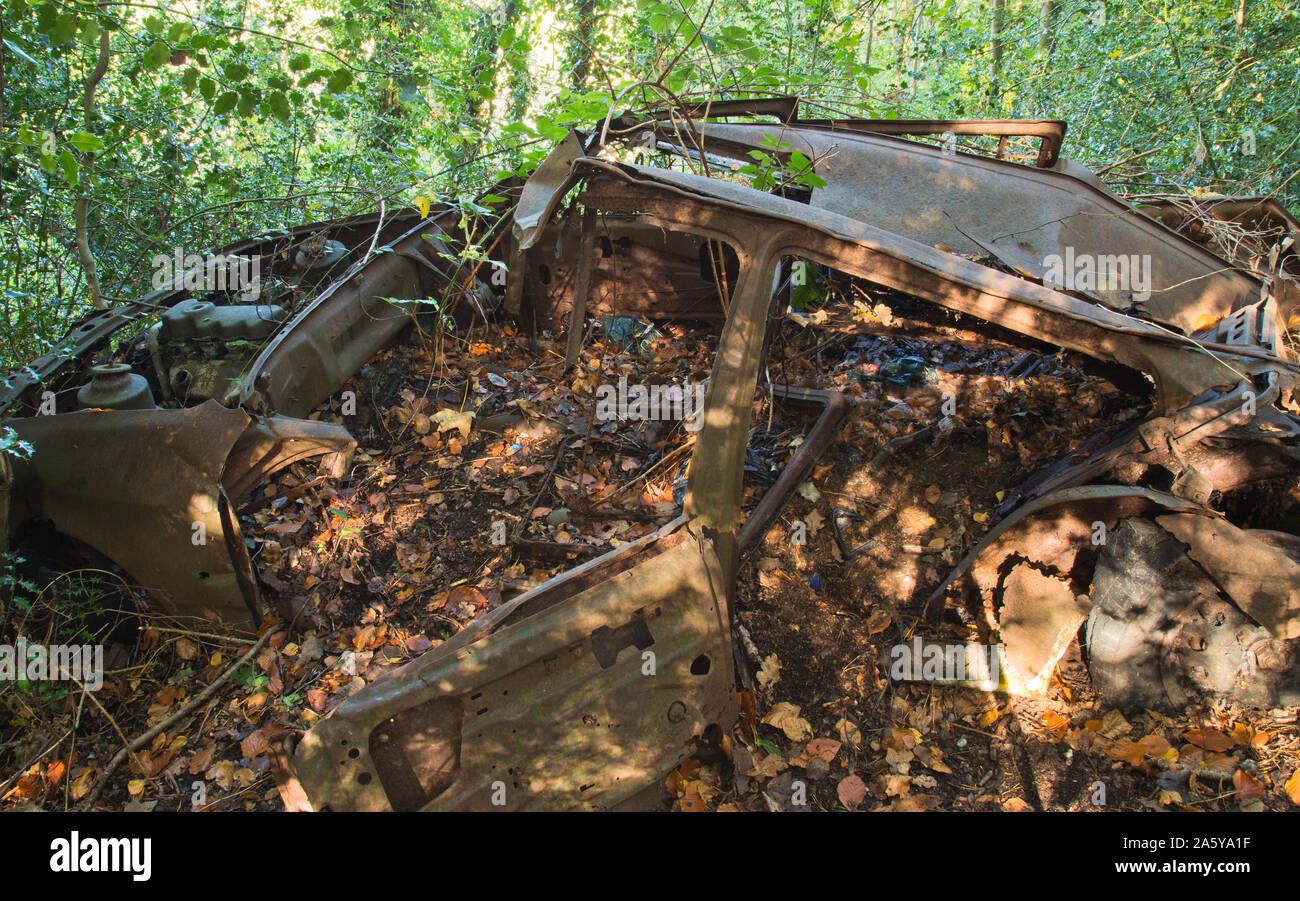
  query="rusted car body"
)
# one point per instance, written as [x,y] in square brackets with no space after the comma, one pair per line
[584,691]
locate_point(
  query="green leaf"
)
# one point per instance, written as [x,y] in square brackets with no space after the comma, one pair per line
[300,62]
[69,165]
[207,88]
[235,71]
[46,16]
[225,103]
[157,54]
[279,106]
[339,81]
[86,142]
[65,27]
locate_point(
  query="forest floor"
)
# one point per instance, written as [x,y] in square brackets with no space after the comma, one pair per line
[390,561]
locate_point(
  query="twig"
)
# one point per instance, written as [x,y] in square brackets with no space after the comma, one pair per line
[193,704]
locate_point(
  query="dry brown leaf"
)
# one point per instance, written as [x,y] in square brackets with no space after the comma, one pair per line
[1057,725]
[848,732]
[932,758]
[878,622]
[1247,788]
[1292,786]
[1113,725]
[825,748]
[1209,739]
[785,716]
[201,760]
[851,791]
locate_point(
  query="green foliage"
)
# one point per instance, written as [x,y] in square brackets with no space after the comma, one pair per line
[266,114]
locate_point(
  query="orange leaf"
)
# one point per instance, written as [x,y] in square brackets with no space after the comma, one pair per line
[1209,739]
[878,622]
[1247,787]
[1293,787]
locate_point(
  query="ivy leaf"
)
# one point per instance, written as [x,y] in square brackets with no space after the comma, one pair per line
[86,142]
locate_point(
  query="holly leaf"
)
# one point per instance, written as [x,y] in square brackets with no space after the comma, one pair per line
[86,142]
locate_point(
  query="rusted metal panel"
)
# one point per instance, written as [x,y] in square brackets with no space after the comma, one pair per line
[1261,578]
[1181,368]
[143,487]
[636,270]
[552,708]
[272,444]
[1026,216]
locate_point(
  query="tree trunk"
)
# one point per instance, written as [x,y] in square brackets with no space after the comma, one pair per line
[995,50]
[81,207]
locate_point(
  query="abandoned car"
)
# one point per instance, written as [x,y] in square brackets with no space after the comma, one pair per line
[544,702]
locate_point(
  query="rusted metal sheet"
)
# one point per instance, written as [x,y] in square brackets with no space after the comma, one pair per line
[575,695]
[274,443]
[1181,368]
[636,270]
[1262,579]
[1029,218]
[143,487]
[1160,634]
[344,326]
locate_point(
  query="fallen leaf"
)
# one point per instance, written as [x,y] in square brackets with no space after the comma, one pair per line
[1113,725]
[878,622]
[770,672]
[851,791]
[1247,788]
[932,758]
[825,748]
[454,419]
[201,760]
[848,732]
[785,716]
[1056,724]
[1209,739]
[1292,787]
